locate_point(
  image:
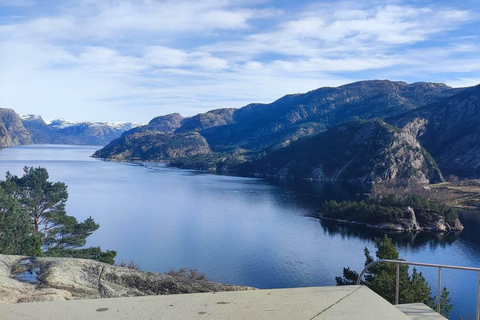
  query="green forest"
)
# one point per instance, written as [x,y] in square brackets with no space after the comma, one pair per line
[389,208]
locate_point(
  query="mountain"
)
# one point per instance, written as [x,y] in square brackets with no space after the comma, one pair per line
[450,130]
[358,150]
[294,116]
[12,130]
[164,124]
[254,132]
[63,131]
[154,146]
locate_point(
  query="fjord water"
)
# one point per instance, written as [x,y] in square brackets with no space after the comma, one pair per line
[237,230]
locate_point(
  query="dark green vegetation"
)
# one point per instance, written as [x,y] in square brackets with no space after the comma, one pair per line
[154,145]
[317,135]
[390,208]
[33,220]
[381,279]
[360,150]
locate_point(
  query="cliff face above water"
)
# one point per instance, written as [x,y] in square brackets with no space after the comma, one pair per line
[12,130]
[362,151]
[24,279]
[450,131]
[254,133]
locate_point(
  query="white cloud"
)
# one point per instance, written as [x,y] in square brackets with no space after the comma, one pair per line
[463,82]
[161,56]
[133,60]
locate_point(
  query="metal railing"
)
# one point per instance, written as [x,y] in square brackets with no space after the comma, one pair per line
[439,266]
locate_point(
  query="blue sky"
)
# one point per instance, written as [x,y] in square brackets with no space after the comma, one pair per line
[132,60]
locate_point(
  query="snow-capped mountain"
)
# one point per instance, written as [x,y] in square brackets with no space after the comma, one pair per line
[63,131]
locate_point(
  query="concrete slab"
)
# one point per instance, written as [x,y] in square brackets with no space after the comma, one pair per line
[362,303]
[419,311]
[345,302]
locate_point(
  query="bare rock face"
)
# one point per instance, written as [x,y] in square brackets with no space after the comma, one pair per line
[440,225]
[12,131]
[24,279]
[362,151]
[450,131]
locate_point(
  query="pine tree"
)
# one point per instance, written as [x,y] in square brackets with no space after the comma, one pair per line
[39,206]
[381,279]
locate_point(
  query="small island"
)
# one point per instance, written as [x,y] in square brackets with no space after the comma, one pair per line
[394,213]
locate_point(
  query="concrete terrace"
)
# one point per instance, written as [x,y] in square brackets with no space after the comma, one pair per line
[333,303]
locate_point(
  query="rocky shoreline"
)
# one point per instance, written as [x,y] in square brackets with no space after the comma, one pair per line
[404,225]
[27,279]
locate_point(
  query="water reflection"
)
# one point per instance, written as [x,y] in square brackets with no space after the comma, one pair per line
[237,230]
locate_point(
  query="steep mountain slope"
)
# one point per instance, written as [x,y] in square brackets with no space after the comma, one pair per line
[258,126]
[371,151]
[450,131]
[12,131]
[366,151]
[68,132]
[298,115]
[40,131]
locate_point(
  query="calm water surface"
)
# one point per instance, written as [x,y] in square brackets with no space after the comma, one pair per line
[236,230]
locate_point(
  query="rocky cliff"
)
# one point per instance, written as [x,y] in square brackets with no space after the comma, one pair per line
[12,130]
[24,279]
[362,151]
[236,133]
[450,131]
[407,224]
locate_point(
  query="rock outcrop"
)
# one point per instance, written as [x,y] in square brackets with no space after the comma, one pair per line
[362,151]
[407,224]
[12,130]
[24,279]
[450,130]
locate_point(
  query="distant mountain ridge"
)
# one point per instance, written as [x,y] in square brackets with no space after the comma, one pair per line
[62,131]
[32,129]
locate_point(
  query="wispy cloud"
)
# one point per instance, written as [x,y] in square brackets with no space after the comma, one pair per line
[133,60]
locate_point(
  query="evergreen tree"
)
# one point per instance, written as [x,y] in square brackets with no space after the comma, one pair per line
[17,235]
[381,279]
[38,208]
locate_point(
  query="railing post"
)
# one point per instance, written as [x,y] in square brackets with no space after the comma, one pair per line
[397,284]
[478,295]
[439,288]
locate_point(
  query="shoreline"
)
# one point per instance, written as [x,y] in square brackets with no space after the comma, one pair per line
[385,226]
